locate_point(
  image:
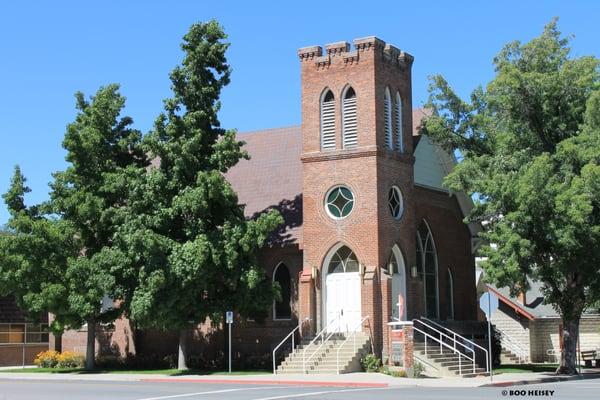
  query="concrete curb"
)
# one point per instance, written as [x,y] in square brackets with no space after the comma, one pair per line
[543,380]
[272,382]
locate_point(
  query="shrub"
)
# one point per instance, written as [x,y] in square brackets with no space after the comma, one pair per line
[416,370]
[69,359]
[47,359]
[370,363]
[396,373]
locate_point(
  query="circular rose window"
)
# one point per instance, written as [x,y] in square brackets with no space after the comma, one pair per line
[396,202]
[339,202]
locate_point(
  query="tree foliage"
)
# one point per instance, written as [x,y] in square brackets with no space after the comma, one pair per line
[530,152]
[187,231]
[61,257]
[33,256]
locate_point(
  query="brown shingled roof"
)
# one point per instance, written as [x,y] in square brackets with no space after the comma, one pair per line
[272,178]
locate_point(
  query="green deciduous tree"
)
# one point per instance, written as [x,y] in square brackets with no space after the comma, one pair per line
[529,145]
[195,248]
[33,257]
[62,258]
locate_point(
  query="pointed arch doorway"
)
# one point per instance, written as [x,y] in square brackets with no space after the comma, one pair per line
[397,270]
[341,283]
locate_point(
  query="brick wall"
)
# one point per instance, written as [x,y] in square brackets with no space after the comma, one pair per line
[369,170]
[12,355]
[453,245]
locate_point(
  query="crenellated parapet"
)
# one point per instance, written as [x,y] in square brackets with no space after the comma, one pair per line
[342,52]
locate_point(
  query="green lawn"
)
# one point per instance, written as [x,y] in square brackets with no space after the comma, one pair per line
[522,368]
[170,372]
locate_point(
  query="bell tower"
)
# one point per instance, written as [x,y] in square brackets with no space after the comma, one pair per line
[357,180]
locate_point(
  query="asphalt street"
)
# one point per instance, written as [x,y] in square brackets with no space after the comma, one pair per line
[121,390]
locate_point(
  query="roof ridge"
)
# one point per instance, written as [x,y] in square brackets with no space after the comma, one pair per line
[269,130]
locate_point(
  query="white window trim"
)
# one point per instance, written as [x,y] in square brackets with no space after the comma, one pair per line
[397,190]
[354,135]
[325,202]
[387,116]
[399,119]
[322,124]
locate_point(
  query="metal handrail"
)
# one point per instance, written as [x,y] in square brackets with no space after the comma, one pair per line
[455,334]
[353,334]
[513,345]
[453,347]
[472,343]
[281,343]
[323,341]
[472,359]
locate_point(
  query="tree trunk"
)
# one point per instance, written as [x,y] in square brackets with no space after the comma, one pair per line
[90,353]
[57,341]
[568,356]
[182,356]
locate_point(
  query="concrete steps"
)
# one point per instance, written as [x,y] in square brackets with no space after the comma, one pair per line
[322,358]
[507,357]
[445,363]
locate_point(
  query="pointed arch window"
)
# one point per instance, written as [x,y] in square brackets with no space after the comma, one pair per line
[349,123]
[397,270]
[398,119]
[387,114]
[427,265]
[450,295]
[344,260]
[283,309]
[327,121]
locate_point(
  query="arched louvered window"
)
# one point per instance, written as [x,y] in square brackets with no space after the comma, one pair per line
[328,121]
[283,309]
[427,264]
[349,132]
[398,118]
[387,114]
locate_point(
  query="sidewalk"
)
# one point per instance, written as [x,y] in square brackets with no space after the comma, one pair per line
[358,379]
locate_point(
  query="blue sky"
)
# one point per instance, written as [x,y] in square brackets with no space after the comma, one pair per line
[50,50]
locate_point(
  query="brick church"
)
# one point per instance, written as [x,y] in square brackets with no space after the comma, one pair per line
[370,234]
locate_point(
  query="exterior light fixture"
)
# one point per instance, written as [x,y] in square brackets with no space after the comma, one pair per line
[314,271]
[413,271]
[361,269]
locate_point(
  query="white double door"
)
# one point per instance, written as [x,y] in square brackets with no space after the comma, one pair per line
[342,303]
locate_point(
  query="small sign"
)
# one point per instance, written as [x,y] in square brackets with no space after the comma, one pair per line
[397,335]
[229,317]
[488,303]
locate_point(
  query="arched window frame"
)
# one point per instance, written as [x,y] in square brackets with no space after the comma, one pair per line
[275,270]
[395,194]
[422,250]
[387,116]
[401,266]
[398,119]
[450,294]
[349,119]
[327,119]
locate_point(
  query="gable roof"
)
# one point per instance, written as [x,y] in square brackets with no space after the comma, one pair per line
[535,305]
